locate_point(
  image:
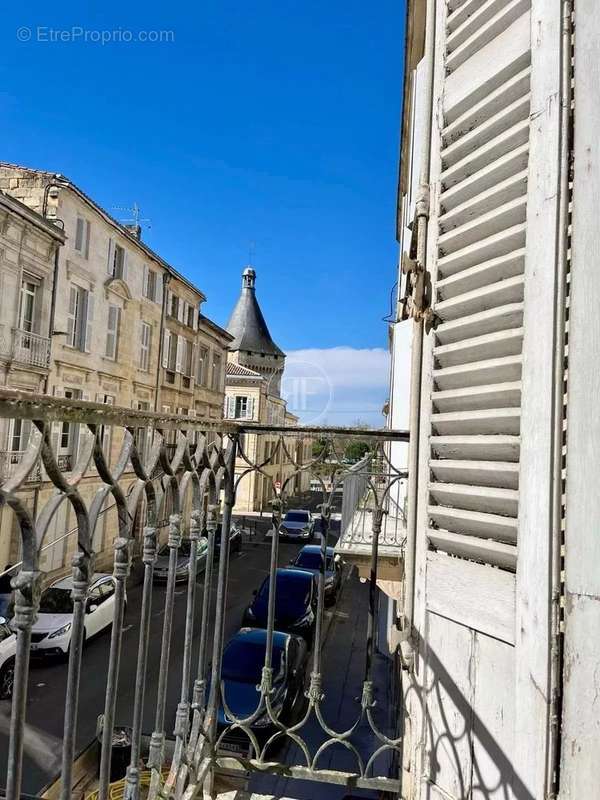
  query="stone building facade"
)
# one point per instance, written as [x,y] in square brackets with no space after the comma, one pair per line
[253,393]
[112,311]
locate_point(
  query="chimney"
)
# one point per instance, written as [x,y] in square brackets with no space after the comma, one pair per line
[135,230]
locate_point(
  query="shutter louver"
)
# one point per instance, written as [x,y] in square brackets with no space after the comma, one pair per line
[478,290]
[89,321]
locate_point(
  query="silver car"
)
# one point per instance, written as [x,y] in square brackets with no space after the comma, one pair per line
[184,553]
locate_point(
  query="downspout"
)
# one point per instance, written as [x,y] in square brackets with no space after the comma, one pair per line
[418,277]
[54,276]
[165,279]
[556,652]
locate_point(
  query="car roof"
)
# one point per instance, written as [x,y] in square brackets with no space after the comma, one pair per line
[297,511]
[259,636]
[316,548]
[302,573]
[67,582]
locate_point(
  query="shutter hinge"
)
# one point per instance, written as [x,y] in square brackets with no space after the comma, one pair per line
[416,302]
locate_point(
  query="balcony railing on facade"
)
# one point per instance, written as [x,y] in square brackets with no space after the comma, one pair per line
[201,480]
[30,348]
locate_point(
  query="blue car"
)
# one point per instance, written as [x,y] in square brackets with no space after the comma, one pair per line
[295,602]
[243,660]
[310,558]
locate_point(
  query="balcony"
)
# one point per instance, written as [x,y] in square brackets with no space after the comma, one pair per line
[164,662]
[10,460]
[31,349]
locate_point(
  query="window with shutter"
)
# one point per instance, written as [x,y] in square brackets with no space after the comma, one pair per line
[89,319]
[145,335]
[82,236]
[202,365]
[179,353]
[165,351]
[79,317]
[112,333]
[119,262]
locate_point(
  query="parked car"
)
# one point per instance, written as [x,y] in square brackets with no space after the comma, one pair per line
[51,634]
[243,660]
[235,539]
[6,594]
[310,559]
[8,648]
[297,525]
[295,601]
[184,554]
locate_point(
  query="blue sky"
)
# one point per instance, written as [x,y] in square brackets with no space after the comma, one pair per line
[266,122]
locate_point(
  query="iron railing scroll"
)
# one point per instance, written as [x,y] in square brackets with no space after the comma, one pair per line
[194,485]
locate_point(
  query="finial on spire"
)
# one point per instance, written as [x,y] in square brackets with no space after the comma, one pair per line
[248,278]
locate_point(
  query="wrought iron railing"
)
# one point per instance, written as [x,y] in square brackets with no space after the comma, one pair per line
[30,348]
[202,470]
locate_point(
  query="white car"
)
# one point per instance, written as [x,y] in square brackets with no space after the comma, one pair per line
[51,634]
[8,648]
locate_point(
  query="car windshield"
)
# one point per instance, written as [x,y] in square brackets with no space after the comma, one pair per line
[56,601]
[296,516]
[313,561]
[243,661]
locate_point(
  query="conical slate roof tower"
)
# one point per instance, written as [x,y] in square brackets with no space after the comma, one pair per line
[252,345]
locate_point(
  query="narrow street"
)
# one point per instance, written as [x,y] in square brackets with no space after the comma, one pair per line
[343,663]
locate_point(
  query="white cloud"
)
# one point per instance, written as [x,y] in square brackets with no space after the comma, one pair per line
[337,385]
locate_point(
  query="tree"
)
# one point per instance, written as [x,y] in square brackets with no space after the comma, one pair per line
[356,450]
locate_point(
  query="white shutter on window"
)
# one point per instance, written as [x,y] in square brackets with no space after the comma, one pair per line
[145,275]
[230,407]
[56,426]
[250,408]
[181,307]
[165,353]
[89,321]
[478,289]
[125,265]
[159,288]
[71,316]
[179,354]
[109,260]
[87,238]
[79,230]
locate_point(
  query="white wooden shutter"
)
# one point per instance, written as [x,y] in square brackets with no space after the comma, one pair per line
[72,316]
[159,288]
[56,426]
[179,354]
[87,238]
[250,408]
[165,353]
[125,265]
[478,290]
[89,321]
[109,259]
[230,407]
[477,645]
[181,306]
[79,231]
[145,274]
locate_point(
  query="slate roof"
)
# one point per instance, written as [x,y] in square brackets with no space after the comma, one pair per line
[248,327]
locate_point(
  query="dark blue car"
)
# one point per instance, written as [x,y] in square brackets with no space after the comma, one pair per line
[295,601]
[310,559]
[243,660]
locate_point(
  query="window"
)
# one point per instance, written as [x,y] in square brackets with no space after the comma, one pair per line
[187,358]
[68,435]
[241,407]
[174,307]
[19,435]
[112,333]
[145,336]
[142,435]
[190,316]
[202,366]
[79,318]
[216,371]
[151,285]
[27,306]
[118,269]
[171,355]
[82,237]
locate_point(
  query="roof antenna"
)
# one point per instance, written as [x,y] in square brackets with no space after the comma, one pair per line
[134,223]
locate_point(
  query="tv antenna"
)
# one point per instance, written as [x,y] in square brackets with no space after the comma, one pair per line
[135,212]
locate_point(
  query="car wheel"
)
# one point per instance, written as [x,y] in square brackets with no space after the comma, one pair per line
[7,679]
